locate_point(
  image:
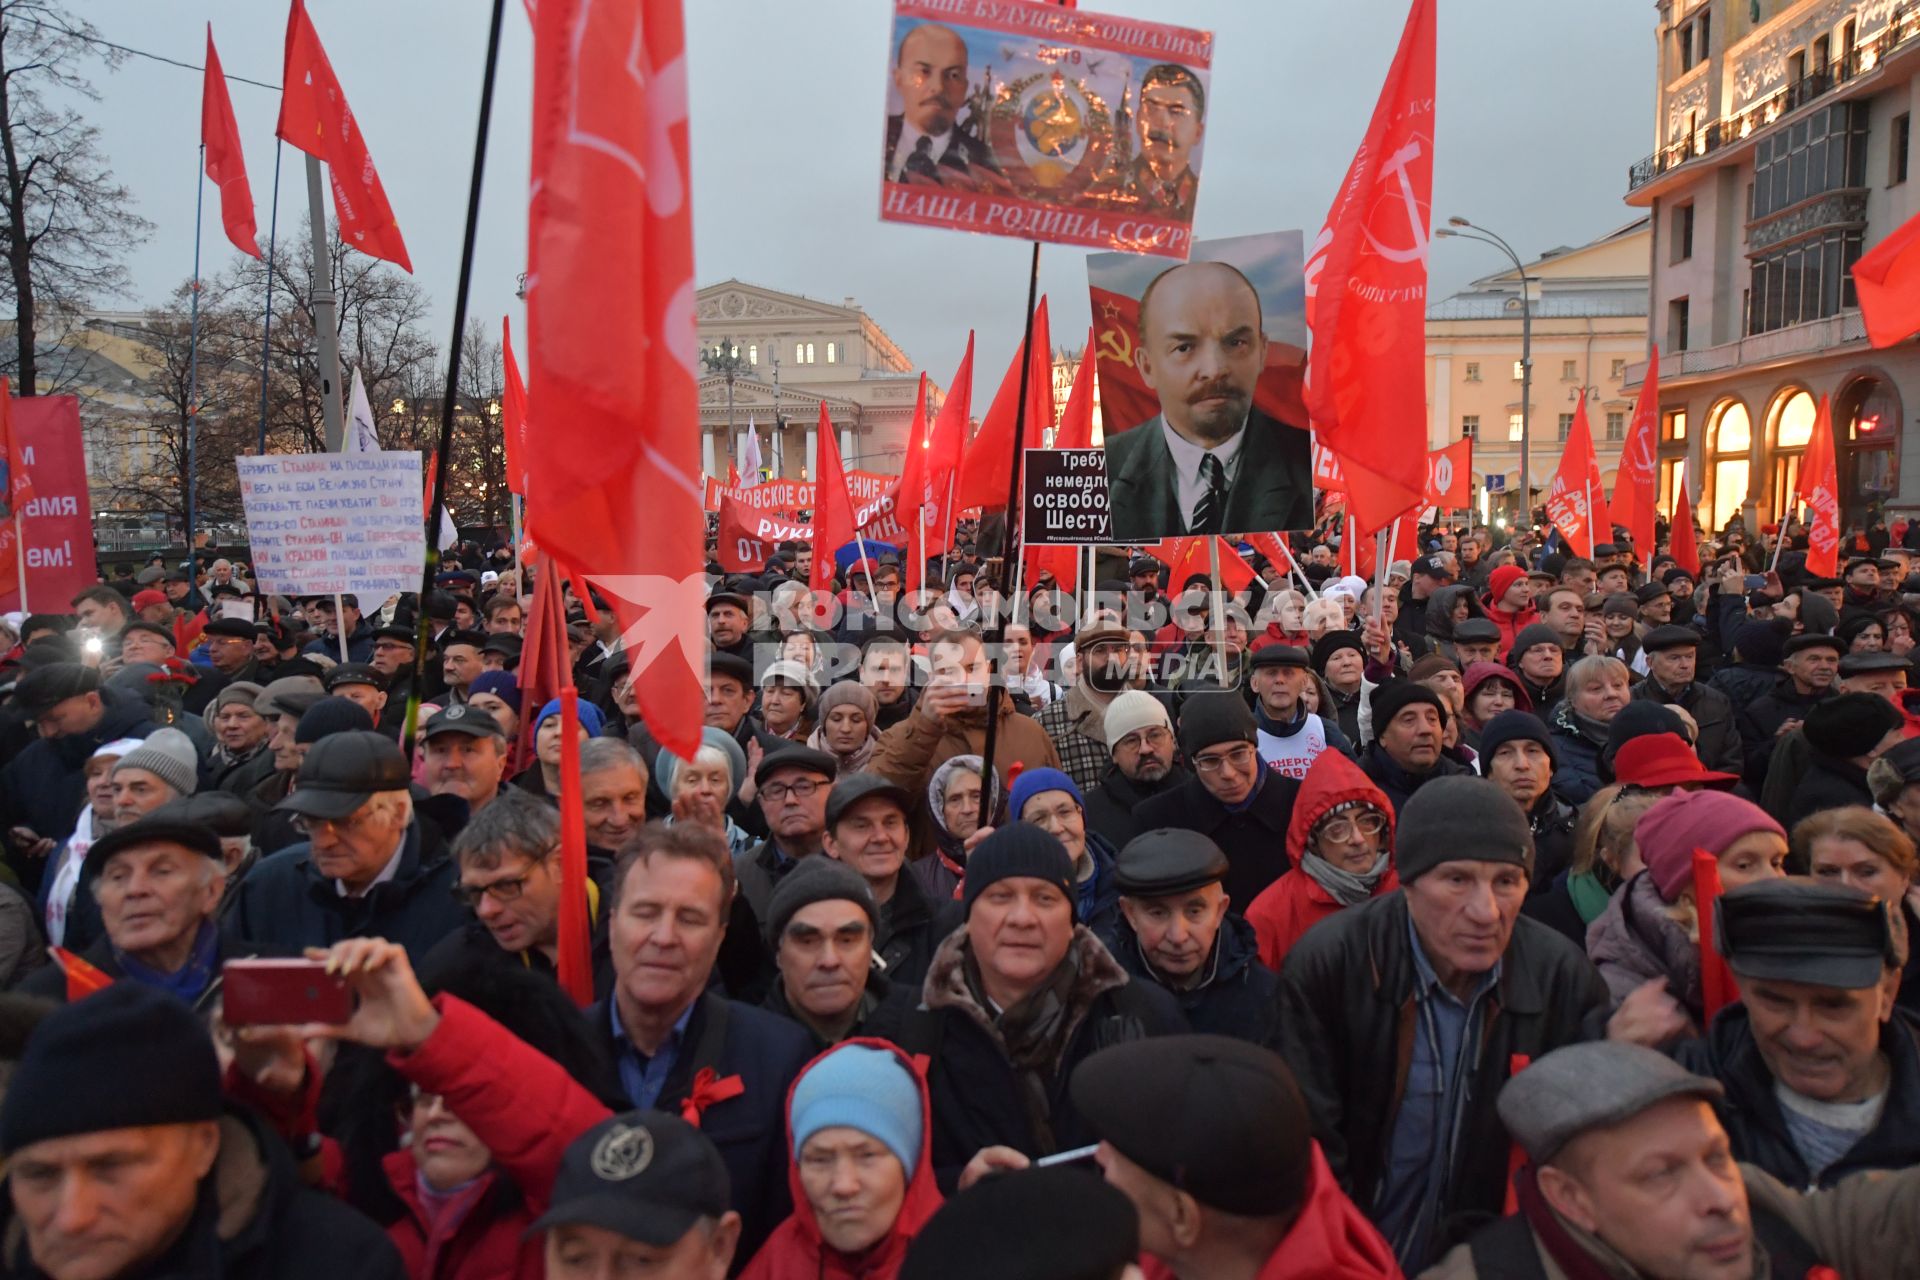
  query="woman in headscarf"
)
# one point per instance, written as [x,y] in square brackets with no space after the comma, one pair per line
[953,798]
[846,714]
[699,789]
[1490,688]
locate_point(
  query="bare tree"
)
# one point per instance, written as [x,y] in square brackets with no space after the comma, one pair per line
[64,220]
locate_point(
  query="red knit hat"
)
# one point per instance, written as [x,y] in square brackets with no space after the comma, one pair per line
[1501,580]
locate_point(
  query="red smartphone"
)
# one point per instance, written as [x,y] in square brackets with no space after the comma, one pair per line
[260,993]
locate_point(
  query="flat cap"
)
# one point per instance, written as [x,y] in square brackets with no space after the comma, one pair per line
[1671,636]
[1477,631]
[346,673]
[475,722]
[1281,655]
[44,688]
[1218,1118]
[1168,860]
[1797,930]
[289,696]
[1812,640]
[1591,1086]
[1649,592]
[855,787]
[733,598]
[1860,664]
[164,825]
[795,757]
[235,628]
[727,664]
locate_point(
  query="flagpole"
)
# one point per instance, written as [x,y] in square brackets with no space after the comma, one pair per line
[1380,572]
[946,550]
[266,324]
[996,630]
[1217,607]
[326,322]
[193,374]
[445,444]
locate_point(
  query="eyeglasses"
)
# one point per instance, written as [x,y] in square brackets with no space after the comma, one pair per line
[1239,758]
[1142,738]
[307,825]
[801,790]
[1342,829]
[505,889]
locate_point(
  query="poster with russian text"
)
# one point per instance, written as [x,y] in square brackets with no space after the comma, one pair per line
[320,523]
[1029,120]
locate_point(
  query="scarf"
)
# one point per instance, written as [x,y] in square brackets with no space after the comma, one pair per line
[188,982]
[1035,1032]
[1347,888]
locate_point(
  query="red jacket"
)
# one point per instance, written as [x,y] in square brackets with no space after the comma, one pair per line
[1330,1240]
[1295,902]
[526,1109]
[795,1250]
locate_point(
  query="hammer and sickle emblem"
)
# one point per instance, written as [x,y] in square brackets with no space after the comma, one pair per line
[1116,344]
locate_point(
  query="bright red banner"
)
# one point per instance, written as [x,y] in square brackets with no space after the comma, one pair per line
[1450,476]
[748,536]
[833,513]
[226,161]
[1681,543]
[1576,497]
[1367,290]
[1888,282]
[1636,484]
[56,515]
[513,413]
[1819,491]
[983,468]
[315,118]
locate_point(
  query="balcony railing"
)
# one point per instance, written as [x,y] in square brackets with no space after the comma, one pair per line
[1810,338]
[1902,28]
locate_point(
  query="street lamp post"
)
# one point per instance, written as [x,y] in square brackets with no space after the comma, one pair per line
[1461,228]
[725,360]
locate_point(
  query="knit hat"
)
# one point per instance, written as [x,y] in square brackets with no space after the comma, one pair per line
[504,685]
[1850,724]
[1668,833]
[331,715]
[1018,849]
[245,692]
[1133,711]
[818,878]
[590,718]
[1762,643]
[1209,719]
[1460,818]
[666,765]
[1536,634]
[168,755]
[861,1087]
[1331,643]
[77,1074]
[1395,696]
[1514,726]
[1033,782]
[1501,581]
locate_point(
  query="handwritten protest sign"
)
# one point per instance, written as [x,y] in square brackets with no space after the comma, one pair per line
[326,522]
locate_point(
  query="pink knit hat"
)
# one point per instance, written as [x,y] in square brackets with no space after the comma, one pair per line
[1669,832]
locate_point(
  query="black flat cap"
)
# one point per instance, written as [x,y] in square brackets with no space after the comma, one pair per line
[343,771]
[1812,640]
[237,628]
[44,688]
[1281,655]
[1477,631]
[1060,1223]
[1670,636]
[734,598]
[855,787]
[795,757]
[727,664]
[156,828]
[346,673]
[1649,592]
[475,722]
[1860,664]
[222,812]
[504,643]
[405,635]
[1166,861]
[1795,930]
[474,638]
[1218,1118]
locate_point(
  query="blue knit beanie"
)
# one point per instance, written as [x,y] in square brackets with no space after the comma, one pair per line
[590,718]
[1032,782]
[503,685]
[860,1088]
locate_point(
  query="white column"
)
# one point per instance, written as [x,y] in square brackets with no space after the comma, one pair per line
[813,452]
[740,452]
[706,453]
[846,448]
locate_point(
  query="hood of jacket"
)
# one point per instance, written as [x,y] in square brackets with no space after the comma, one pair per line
[1332,780]
[1440,607]
[796,1250]
[1478,673]
[1636,934]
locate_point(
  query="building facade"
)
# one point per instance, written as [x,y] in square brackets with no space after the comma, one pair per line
[1589,324]
[1785,149]
[788,354]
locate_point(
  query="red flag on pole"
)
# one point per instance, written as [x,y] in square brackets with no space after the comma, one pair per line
[1574,498]
[1888,283]
[315,118]
[1681,543]
[1636,484]
[513,413]
[226,161]
[832,506]
[983,469]
[946,444]
[614,490]
[1367,290]
[83,978]
[1819,491]
[16,486]
[1716,979]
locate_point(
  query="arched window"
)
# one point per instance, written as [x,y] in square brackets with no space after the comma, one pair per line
[832,351]
[1793,415]
[1729,466]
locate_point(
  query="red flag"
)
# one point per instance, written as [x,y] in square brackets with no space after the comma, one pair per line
[1681,542]
[83,979]
[1819,490]
[226,162]
[513,414]
[1187,555]
[1574,497]
[1636,483]
[1888,282]
[733,475]
[543,655]
[613,490]
[983,469]
[1450,476]
[16,486]
[1716,979]
[748,535]
[1367,289]
[1075,432]
[832,506]
[946,442]
[909,491]
[315,118]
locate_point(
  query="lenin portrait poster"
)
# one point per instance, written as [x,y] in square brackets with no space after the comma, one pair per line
[1201,366]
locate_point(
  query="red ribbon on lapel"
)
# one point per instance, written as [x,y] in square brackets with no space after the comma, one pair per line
[709,1089]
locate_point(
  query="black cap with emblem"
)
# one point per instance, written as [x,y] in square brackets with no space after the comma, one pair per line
[644,1175]
[475,722]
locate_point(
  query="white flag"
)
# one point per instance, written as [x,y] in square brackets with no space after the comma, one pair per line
[750,456]
[360,436]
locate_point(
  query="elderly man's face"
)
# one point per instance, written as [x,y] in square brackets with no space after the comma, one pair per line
[153,898]
[578,1252]
[1521,767]
[794,801]
[70,716]
[1019,930]
[518,899]
[239,728]
[1202,350]
[872,838]
[1170,127]
[138,792]
[824,957]
[465,765]
[1414,736]
[931,77]
[99,1205]
[1542,663]
[390,655]
[1821,1042]
[1177,932]
[1145,755]
[615,801]
[727,702]
[726,624]
[666,930]
[354,849]
[144,646]
[1463,911]
[461,665]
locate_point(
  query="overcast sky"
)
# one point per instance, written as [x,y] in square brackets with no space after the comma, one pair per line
[1541,110]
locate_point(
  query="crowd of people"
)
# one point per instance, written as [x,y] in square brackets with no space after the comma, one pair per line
[1511,914]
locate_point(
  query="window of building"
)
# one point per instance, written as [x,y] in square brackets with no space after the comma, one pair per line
[1900,139]
[1519,370]
[1470,426]
[1566,425]
[1673,425]
[810,355]
[1677,325]
[1682,236]
[1515,425]
[1730,442]
[753,353]
[1618,371]
[1473,371]
[1569,370]
[1793,416]
[1616,424]
[1823,151]
[832,353]
[1809,279]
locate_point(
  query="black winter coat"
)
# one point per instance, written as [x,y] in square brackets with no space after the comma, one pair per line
[1347,1022]
[1254,839]
[1758,1129]
[285,901]
[1827,784]
[1759,724]
[45,786]
[1396,781]
[908,936]
[1718,745]
[1236,999]
[1113,806]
